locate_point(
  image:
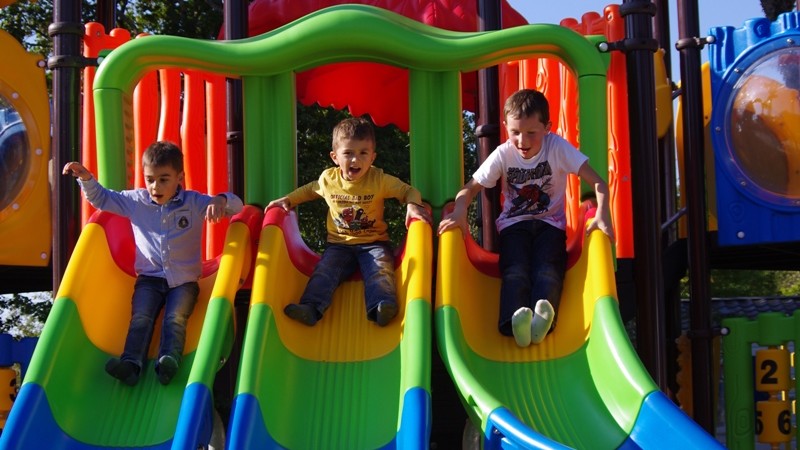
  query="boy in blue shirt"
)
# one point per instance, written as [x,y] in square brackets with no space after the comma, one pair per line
[167,222]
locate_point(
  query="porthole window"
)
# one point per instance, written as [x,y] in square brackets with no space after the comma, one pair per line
[764,121]
[14,154]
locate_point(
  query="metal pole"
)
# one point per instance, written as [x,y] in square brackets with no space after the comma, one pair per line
[235,28]
[701,334]
[488,121]
[66,64]
[639,46]
[674,253]
[667,143]
[107,14]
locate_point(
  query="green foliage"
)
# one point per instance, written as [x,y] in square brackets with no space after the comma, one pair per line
[23,315]
[788,283]
[190,18]
[28,21]
[773,8]
[750,283]
[471,164]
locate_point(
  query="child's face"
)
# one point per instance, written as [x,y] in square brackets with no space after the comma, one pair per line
[162,182]
[354,157]
[527,134]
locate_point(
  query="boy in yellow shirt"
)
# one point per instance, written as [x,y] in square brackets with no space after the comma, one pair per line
[357,234]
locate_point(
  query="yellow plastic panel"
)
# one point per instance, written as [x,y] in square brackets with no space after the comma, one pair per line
[663,95]
[708,152]
[25,229]
[342,332]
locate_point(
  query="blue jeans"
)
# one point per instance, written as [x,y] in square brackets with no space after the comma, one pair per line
[150,294]
[533,262]
[340,261]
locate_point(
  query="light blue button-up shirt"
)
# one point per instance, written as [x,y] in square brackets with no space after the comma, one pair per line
[167,236]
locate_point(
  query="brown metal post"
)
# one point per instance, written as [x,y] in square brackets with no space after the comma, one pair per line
[235,28]
[639,46]
[107,14]
[488,122]
[66,64]
[693,143]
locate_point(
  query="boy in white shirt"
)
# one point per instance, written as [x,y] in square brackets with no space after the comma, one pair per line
[532,166]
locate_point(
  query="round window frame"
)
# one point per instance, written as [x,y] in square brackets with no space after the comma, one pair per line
[722,128]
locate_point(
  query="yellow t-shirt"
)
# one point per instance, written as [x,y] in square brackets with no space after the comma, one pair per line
[355,208]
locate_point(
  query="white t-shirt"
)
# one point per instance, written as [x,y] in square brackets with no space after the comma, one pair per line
[532,188]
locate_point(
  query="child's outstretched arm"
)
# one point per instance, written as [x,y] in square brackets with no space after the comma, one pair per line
[77,170]
[415,211]
[303,194]
[223,205]
[282,202]
[602,219]
[458,218]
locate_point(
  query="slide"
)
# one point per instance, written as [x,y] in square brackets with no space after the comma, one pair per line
[582,387]
[67,401]
[344,383]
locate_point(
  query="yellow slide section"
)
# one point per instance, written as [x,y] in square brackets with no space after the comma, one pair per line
[67,399]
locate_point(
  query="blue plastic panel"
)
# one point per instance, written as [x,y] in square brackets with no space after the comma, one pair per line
[755,85]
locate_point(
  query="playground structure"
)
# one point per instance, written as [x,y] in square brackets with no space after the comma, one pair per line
[274,88]
[24,155]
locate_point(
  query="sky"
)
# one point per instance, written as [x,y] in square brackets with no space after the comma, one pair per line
[713,13]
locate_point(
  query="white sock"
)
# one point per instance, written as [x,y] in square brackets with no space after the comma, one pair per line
[521,326]
[542,320]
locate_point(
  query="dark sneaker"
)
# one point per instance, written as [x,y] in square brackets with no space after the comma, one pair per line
[166,368]
[305,314]
[124,371]
[386,312]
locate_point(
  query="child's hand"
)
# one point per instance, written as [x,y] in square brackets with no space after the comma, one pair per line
[454,220]
[77,170]
[216,209]
[282,202]
[603,224]
[414,211]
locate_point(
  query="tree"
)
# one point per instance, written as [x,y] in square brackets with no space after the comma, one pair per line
[28,21]
[24,315]
[200,19]
[750,283]
[773,8]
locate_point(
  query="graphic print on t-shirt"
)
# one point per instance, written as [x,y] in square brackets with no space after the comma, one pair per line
[528,189]
[353,218]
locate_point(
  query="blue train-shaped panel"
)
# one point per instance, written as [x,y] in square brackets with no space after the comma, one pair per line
[755,130]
